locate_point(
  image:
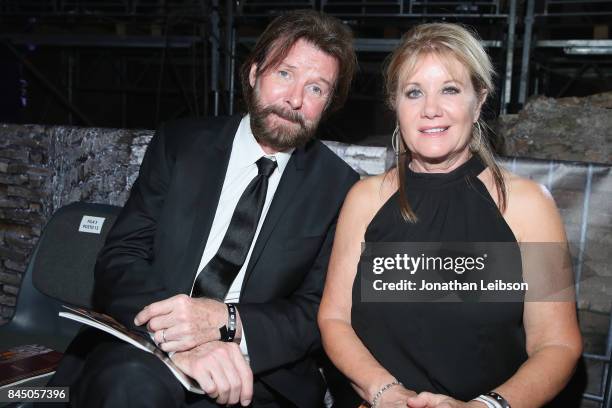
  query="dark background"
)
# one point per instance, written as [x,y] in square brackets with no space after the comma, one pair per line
[133,64]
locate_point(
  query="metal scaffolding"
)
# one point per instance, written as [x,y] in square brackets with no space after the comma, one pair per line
[154,50]
[571,55]
[193,46]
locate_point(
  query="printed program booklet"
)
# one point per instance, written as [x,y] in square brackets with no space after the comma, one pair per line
[111,326]
[26,363]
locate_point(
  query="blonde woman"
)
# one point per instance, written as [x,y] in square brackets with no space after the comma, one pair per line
[446,187]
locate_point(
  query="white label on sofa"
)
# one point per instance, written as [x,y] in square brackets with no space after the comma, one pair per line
[91,224]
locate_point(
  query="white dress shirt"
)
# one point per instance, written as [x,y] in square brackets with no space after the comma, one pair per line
[241,169]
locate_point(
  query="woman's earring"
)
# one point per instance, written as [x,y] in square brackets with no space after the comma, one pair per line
[476,142]
[395,142]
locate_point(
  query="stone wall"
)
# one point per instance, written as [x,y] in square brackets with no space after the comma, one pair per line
[24,192]
[574,129]
[43,168]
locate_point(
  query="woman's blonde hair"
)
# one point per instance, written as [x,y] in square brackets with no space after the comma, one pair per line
[445,40]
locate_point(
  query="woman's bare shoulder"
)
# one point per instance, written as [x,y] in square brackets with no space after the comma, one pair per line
[524,191]
[531,210]
[369,194]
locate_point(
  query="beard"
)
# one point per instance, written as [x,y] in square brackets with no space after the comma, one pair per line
[279,137]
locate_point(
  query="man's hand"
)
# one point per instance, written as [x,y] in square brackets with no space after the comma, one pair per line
[181,323]
[221,371]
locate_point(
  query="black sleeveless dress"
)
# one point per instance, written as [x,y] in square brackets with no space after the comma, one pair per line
[457,349]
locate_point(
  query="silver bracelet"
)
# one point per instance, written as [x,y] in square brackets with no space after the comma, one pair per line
[381,391]
[488,401]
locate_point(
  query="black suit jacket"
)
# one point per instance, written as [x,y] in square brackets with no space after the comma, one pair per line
[155,246]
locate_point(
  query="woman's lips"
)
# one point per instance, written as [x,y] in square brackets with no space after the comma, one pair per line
[434,131]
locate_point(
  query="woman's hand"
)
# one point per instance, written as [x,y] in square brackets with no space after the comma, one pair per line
[429,400]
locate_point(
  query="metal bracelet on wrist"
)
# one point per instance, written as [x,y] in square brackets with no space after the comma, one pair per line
[493,400]
[487,401]
[381,391]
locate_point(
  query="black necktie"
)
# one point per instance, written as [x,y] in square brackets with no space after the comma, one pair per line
[217,276]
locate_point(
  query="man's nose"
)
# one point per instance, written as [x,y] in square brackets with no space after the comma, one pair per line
[295,97]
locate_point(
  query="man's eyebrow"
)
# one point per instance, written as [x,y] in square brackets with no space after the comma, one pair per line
[284,64]
[325,81]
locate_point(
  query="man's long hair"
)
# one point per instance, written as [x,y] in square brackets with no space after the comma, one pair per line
[325,32]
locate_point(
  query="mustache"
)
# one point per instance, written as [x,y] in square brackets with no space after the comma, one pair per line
[291,116]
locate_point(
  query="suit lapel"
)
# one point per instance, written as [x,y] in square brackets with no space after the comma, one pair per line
[209,168]
[291,178]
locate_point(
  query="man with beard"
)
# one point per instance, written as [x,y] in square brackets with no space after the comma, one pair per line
[220,253]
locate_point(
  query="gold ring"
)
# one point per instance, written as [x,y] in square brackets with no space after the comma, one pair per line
[164,336]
